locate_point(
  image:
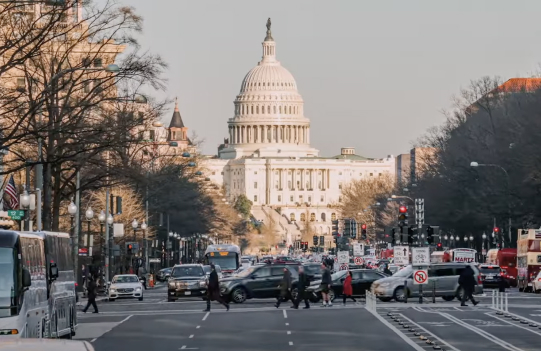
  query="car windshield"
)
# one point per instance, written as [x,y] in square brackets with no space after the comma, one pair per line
[489,270]
[125,279]
[312,269]
[403,273]
[7,281]
[187,271]
[338,275]
[207,269]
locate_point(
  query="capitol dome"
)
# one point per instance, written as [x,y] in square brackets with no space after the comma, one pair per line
[269,111]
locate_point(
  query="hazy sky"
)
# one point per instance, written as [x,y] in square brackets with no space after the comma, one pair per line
[373,74]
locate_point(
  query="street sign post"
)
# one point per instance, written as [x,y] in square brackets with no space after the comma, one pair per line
[344,267]
[16,215]
[358,260]
[420,276]
[358,249]
[401,255]
[420,256]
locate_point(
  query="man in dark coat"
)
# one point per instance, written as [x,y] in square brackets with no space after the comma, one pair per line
[285,288]
[213,289]
[301,287]
[91,287]
[467,282]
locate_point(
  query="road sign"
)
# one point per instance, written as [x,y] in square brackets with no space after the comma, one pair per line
[154,260]
[358,260]
[420,276]
[401,255]
[344,267]
[420,256]
[83,251]
[343,257]
[358,249]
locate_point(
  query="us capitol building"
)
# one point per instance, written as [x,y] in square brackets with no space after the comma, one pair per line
[268,156]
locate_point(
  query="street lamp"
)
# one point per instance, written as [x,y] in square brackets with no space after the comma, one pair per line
[110,219]
[102,218]
[72,210]
[134,225]
[89,215]
[25,199]
[476,164]
[144,225]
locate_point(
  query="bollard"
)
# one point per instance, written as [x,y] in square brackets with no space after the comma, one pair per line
[493,295]
[434,291]
[405,291]
[506,303]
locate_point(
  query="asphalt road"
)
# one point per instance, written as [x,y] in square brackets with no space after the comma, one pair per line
[258,325]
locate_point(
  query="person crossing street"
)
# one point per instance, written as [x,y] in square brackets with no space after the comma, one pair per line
[213,290]
[301,288]
[285,288]
[325,286]
[467,283]
[347,289]
[91,295]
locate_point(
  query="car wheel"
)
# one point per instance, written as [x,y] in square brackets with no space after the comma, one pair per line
[141,298]
[111,300]
[448,298]
[385,299]
[238,295]
[459,293]
[400,294]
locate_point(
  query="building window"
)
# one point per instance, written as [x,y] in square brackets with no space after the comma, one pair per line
[339,173]
[255,198]
[222,173]
[255,185]
[86,87]
[279,198]
[340,199]
[292,217]
[339,185]
[303,217]
[98,62]
[312,217]
[371,174]
[319,185]
[323,217]
[255,172]
[322,198]
[309,199]
[289,185]
[291,198]
[21,84]
[333,216]
[152,134]
[213,173]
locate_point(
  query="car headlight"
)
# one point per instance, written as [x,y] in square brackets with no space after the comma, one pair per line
[202,283]
[113,290]
[172,284]
[138,289]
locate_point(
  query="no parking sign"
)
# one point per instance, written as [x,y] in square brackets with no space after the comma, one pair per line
[358,260]
[420,276]
[344,267]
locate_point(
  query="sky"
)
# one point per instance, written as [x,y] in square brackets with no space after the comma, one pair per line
[374,75]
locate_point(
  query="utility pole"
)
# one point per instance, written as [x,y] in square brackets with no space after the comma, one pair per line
[420,220]
[107,237]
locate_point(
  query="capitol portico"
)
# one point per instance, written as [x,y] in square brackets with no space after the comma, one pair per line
[268,156]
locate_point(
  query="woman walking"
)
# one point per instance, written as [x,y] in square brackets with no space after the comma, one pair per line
[347,289]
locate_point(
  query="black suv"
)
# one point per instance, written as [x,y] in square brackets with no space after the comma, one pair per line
[257,282]
[186,280]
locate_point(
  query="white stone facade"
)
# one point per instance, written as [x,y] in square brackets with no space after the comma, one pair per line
[269,159]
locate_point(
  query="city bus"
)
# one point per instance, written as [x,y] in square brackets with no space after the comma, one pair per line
[528,257]
[227,256]
[37,285]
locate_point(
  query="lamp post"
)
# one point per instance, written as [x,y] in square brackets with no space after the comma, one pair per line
[169,248]
[89,215]
[476,164]
[110,221]
[102,218]
[446,238]
[72,210]
[144,227]
[25,203]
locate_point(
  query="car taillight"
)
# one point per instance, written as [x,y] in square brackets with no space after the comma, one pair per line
[539,279]
[479,279]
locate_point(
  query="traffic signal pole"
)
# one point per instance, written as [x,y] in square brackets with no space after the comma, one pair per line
[420,220]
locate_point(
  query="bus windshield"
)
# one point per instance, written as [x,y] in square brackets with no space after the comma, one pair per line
[8,281]
[225,262]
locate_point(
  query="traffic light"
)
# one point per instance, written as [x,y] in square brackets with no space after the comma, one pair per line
[129,249]
[439,247]
[316,239]
[411,236]
[402,216]
[322,240]
[396,235]
[429,235]
[347,227]
[353,229]
[118,205]
[335,228]
[363,231]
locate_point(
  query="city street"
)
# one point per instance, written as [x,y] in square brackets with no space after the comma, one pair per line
[258,325]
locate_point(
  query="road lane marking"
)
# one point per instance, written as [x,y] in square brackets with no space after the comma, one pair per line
[514,324]
[397,332]
[191,336]
[93,339]
[418,326]
[291,343]
[484,334]
[198,327]
[285,313]
[287,323]
[206,315]
[119,323]
[288,332]
[188,348]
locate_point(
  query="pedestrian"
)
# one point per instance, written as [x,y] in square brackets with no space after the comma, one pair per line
[387,271]
[347,289]
[142,276]
[285,288]
[301,290]
[325,286]
[467,282]
[213,289]
[91,295]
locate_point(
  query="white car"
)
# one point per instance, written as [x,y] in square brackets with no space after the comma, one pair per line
[126,286]
[536,283]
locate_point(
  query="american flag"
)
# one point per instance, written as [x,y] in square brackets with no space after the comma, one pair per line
[11,190]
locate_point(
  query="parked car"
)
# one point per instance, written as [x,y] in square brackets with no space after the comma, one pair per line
[361,281]
[186,280]
[444,275]
[256,282]
[126,286]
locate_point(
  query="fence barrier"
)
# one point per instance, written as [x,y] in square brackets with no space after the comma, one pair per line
[500,301]
[371,301]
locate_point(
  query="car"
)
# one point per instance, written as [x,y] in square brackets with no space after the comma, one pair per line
[163,274]
[208,270]
[187,280]
[442,280]
[257,282]
[361,281]
[491,276]
[126,286]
